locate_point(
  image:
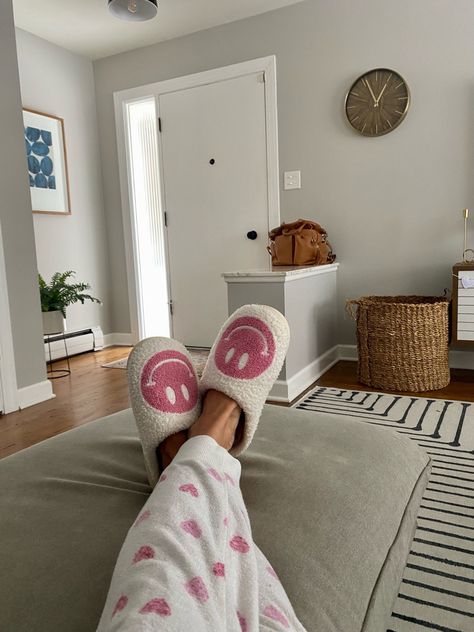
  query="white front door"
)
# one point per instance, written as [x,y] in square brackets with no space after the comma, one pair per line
[215,192]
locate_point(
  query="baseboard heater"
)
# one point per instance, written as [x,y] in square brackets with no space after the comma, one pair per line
[91,339]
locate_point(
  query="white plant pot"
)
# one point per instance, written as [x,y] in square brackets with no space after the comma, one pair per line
[53,323]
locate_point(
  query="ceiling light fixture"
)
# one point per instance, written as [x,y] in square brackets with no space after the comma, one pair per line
[134,10]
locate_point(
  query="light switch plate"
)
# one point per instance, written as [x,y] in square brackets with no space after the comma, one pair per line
[292,180]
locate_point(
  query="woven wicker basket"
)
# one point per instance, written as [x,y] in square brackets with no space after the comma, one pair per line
[402,341]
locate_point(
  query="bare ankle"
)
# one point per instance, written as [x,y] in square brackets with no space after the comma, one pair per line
[219,419]
[169,448]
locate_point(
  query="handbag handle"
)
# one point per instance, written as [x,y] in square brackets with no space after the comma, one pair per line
[301,224]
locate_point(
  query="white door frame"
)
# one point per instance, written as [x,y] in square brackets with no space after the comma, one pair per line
[8,383]
[267,65]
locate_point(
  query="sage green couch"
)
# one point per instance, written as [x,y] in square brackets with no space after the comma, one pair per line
[332,504]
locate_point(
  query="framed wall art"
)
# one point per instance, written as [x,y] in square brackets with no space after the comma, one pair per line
[47,163]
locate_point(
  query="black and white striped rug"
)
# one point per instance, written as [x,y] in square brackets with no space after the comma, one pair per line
[437,590]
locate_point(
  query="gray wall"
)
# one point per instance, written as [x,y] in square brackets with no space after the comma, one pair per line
[16,218]
[58,82]
[392,205]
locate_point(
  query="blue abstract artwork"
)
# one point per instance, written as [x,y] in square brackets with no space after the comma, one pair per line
[46,159]
[39,152]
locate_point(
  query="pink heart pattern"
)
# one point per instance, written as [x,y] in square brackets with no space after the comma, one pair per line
[226,521]
[163,478]
[271,571]
[239,544]
[215,474]
[157,606]
[197,589]
[190,489]
[242,621]
[144,516]
[191,527]
[219,569]
[276,615]
[144,553]
[230,479]
[120,605]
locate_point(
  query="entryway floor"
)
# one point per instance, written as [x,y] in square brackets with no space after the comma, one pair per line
[91,392]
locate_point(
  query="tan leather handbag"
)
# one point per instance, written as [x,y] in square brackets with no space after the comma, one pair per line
[301,243]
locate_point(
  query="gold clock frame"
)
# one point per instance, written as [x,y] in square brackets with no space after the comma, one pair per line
[402,117]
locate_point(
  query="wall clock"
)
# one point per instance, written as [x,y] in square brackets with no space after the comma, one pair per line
[377,102]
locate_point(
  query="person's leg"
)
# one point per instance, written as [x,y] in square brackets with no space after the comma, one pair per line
[275,612]
[189,557]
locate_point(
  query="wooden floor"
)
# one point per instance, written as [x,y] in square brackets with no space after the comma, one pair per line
[91,392]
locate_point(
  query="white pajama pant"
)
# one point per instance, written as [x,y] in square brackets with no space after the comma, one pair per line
[189,562]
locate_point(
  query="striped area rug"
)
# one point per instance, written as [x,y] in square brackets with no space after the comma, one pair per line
[437,590]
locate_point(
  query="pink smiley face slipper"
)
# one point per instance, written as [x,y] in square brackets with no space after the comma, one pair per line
[164,393]
[245,361]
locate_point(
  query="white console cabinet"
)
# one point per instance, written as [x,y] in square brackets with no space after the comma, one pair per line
[307,296]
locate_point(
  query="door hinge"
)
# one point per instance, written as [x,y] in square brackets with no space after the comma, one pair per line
[171,307]
[261,77]
[159,123]
[166,218]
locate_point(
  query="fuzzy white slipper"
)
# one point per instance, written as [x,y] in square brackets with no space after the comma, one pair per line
[245,361]
[164,393]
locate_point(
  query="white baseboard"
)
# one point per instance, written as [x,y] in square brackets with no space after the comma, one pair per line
[288,390]
[347,352]
[119,340]
[35,393]
[457,359]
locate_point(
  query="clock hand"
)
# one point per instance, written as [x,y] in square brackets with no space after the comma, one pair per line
[371,91]
[383,89]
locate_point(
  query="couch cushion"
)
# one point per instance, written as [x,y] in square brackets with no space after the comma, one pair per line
[332,505]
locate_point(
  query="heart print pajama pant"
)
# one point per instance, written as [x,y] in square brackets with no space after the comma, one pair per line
[189,564]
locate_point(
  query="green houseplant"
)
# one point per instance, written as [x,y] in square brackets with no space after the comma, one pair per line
[58,294]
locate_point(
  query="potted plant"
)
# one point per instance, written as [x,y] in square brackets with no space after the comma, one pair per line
[56,296]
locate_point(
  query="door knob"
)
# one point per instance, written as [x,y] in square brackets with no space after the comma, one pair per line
[252,234]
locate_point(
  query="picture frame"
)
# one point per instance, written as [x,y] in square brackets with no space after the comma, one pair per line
[46,156]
